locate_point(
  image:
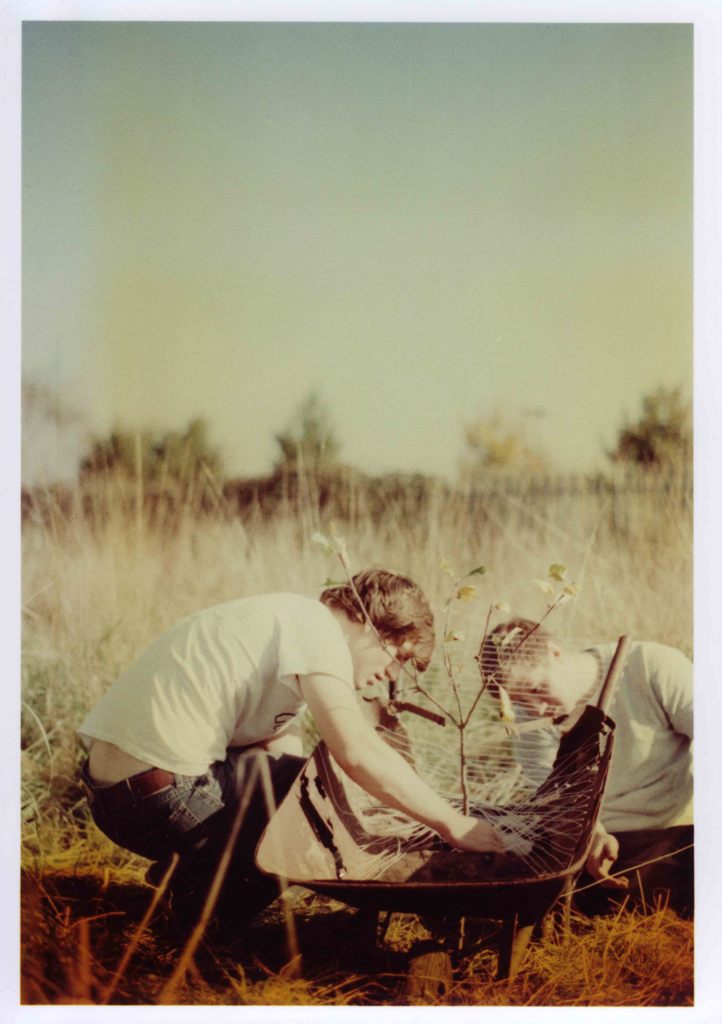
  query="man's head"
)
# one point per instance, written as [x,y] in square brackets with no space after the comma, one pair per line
[398,609]
[532,666]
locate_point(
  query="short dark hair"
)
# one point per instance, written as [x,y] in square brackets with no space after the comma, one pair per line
[513,643]
[396,606]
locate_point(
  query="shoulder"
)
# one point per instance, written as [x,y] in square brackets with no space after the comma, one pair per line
[300,607]
[652,672]
[309,639]
[288,615]
[305,622]
[281,605]
[662,663]
[664,674]
[647,659]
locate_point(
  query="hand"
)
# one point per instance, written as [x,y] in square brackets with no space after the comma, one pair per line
[473,835]
[602,856]
[572,718]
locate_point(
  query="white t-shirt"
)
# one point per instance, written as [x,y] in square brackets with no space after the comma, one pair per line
[650,776]
[223,677]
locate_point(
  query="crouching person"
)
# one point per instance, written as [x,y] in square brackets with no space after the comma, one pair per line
[176,743]
[643,846]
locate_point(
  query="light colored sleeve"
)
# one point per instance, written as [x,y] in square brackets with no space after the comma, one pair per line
[670,676]
[311,643]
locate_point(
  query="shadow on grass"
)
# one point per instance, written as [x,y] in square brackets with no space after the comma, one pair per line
[76,927]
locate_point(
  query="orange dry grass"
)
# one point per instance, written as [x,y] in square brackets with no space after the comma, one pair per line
[76,928]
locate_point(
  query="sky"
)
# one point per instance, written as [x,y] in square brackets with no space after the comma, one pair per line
[425,224]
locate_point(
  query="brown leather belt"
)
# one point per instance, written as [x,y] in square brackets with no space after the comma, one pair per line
[126,792]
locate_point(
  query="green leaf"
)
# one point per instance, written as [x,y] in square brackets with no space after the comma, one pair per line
[557,572]
[480,570]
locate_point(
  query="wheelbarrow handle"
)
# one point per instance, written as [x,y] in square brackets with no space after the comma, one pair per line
[615,670]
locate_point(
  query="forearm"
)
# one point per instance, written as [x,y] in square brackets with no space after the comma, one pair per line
[384,773]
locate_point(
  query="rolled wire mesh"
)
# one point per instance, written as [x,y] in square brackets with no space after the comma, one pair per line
[540,796]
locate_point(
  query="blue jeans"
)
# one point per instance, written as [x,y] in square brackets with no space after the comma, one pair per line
[177,817]
[193,816]
[194,813]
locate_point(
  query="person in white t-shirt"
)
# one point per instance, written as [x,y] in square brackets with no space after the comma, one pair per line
[169,742]
[643,846]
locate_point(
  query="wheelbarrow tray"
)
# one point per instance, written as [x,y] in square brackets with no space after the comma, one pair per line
[323,837]
[526,897]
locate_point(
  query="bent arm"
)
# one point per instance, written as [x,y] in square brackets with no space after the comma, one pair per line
[603,853]
[381,771]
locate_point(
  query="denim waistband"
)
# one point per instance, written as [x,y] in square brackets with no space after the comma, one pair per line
[127,792]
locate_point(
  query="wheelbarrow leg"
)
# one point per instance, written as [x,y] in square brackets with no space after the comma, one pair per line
[366,927]
[431,971]
[565,907]
[557,922]
[429,976]
[512,946]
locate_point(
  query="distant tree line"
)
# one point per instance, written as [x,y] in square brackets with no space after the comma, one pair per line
[172,469]
[661,435]
[181,457]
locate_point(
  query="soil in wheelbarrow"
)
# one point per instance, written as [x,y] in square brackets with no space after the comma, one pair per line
[453,866]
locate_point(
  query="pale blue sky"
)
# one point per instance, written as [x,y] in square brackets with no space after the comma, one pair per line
[423,223]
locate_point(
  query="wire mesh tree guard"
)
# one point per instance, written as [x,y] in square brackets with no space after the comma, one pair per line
[330,836]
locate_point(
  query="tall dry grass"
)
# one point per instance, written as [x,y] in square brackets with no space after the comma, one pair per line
[98,588]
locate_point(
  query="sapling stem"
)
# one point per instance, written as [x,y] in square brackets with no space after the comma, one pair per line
[461,719]
[550,608]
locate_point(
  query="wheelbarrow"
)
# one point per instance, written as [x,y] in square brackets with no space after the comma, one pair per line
[325,837]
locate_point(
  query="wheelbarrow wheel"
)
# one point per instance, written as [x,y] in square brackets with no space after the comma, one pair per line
[429,976]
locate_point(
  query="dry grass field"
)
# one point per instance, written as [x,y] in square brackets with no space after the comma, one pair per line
[98,587]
